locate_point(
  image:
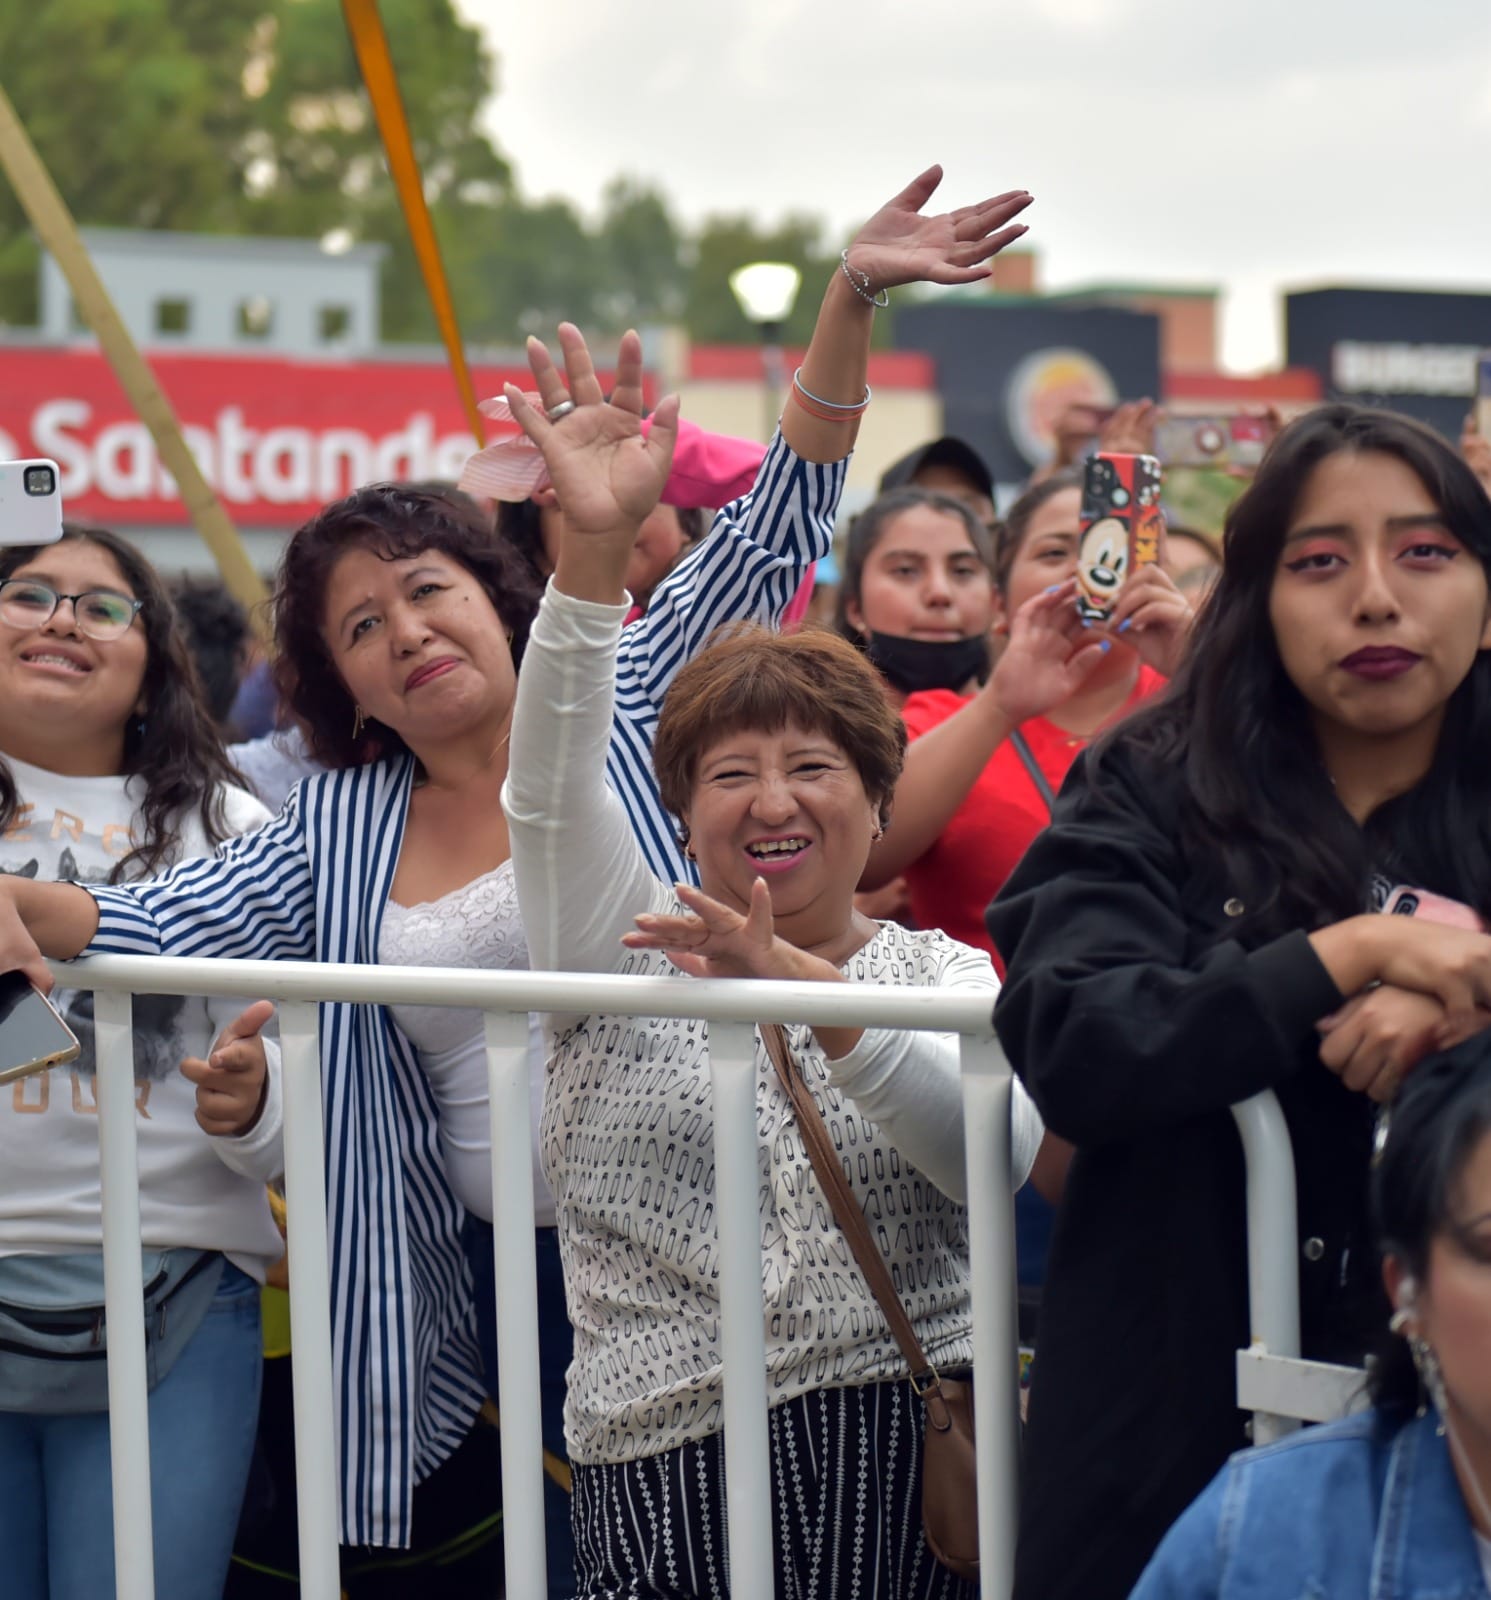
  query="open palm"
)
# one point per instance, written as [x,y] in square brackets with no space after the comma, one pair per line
[605,473]
[899,245]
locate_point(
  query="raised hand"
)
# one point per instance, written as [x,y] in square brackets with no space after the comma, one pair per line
[1476,449]
[1154,616]
[899,245]
[1130,430]
[232,1083]
[607,476]
[1050,655]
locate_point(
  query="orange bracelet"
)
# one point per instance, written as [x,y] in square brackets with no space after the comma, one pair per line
[827,410]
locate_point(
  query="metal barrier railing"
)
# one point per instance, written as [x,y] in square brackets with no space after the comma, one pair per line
[1273,1381]
[732,1008]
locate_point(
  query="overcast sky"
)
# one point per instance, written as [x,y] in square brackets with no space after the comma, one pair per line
[1254,145]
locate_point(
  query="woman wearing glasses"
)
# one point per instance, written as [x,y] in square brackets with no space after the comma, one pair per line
[110,770]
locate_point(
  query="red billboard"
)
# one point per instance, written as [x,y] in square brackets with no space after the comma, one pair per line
[276,438]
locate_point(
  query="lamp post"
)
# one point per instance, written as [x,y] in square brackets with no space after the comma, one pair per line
[766,291]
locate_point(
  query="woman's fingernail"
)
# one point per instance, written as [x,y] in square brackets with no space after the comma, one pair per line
[1106,646]
[1123,626]
[1051,589]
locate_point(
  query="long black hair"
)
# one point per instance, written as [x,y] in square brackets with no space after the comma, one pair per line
[1433,1130]
[1259,802]
[174,749]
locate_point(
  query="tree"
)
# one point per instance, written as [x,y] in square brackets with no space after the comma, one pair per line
[642,258]
[241,116]
[136,107]
[725,243]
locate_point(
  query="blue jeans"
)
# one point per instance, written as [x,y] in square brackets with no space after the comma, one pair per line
[56,1498]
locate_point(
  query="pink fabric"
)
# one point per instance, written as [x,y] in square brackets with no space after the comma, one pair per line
[709,469]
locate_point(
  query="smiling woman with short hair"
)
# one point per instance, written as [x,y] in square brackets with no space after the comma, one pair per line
[778,755]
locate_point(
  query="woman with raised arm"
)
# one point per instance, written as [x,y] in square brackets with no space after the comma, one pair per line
[402,623]
[1201,922]
[111,768]
[778,755]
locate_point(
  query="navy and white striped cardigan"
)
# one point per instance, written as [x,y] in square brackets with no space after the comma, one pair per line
[312,884]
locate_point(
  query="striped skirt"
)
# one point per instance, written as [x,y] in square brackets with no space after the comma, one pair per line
[846,1476]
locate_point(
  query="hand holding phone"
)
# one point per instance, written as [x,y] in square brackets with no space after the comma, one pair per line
[30,502]
[33,1036]
[1121,528]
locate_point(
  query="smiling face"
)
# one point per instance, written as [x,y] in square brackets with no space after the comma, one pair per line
[790,807]
[1378,611]
[924,580]
[60,687]
[418,644]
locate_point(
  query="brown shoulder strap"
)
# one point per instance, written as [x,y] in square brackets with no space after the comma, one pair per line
[850,1216]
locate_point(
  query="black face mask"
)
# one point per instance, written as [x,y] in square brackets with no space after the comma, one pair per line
[914,664]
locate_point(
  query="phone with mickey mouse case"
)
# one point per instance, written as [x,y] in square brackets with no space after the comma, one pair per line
[1121,528]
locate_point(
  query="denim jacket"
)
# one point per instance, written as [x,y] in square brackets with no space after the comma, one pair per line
[1357,1510]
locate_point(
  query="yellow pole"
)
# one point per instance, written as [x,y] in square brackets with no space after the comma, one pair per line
[376,64]
[59,233]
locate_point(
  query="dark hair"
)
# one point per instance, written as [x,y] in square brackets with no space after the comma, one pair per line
[1010,531]
[395,521]
[216,629]
[1435,1126]
[521,524]
[749,677]
[869,527]
[1258,799]
[174,749]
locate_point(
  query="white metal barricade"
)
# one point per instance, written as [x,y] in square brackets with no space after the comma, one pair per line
[732,1009]
[1273,1381]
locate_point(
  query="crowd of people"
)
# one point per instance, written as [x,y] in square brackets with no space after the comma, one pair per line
[588,729]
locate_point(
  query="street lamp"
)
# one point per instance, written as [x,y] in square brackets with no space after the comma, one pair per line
[766,291]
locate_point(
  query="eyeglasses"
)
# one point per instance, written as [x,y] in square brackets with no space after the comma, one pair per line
[99,613]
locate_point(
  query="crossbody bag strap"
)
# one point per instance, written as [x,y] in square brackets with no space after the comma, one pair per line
[1033,767]
[851,1220]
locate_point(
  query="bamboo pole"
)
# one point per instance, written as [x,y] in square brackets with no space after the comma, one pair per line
[59,233]
[375,62]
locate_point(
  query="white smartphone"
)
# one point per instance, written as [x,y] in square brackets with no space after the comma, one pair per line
[30,502]
[33,1036]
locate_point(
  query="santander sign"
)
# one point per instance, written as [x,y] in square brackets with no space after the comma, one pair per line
[276,438]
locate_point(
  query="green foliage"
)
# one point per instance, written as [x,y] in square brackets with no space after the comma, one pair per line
[249,117]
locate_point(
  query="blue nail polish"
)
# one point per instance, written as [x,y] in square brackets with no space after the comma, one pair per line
[1051,588]
[1107,645]
[1123,626]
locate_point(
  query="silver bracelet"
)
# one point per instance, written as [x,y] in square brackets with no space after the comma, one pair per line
[860,283]
[831,405]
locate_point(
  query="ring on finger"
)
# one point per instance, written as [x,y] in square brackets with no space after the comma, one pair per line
[563,409]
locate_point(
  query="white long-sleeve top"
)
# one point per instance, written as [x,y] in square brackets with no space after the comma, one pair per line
[628,1128]
[195,1190]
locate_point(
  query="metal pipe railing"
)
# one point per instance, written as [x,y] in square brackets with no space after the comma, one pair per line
[732,1008]
[1279,1388]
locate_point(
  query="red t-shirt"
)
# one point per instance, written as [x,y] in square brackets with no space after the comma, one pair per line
[953,883]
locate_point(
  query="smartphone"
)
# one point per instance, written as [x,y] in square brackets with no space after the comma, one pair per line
[1227,439]
[1121,528]
[1483,394]
[32,1035]
[30,502]
[1407,902]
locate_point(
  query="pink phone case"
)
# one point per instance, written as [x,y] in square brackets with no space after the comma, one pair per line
[1408,902]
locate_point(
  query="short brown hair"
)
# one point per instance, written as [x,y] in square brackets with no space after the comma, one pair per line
[750,678]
